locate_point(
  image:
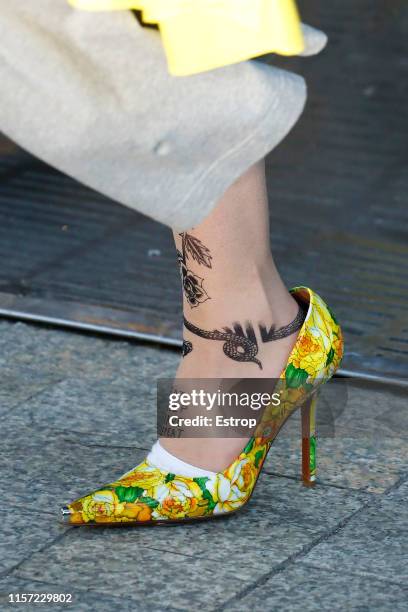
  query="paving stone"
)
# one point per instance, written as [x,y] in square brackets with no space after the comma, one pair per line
[41,471]
[104,412]
[44,496]
[21,377]
[22,385]
[42,348]
[281,518]
[373,543]
[342,462]
[106,390]
[82,601]
[65,350]
[112,561]
[85,413]
[303,588]
[400,493]
[23,533]
[373,410]
[34,357]
[355,447]
[273,527]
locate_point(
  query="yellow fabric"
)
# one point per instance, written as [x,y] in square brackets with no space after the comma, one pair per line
[200,35]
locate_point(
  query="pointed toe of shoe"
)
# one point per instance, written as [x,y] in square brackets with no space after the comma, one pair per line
[65,515]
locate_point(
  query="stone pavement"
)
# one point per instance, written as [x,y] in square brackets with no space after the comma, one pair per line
[77,411]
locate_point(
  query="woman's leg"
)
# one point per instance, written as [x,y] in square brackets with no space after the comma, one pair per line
[230,280]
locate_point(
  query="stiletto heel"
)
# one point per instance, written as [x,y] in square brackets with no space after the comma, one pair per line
[309,435]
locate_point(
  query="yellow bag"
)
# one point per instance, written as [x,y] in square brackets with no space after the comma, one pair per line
[200,35]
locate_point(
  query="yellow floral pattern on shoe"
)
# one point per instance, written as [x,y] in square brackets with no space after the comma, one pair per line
[148,494]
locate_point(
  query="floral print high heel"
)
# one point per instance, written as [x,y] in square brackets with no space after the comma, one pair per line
[147,494]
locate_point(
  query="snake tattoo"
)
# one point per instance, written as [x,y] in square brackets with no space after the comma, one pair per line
[242,345]
[236,345]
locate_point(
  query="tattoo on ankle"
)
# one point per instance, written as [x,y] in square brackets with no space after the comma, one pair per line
[287,330]
[236,345]
[193,288]
[187,347]
[241,344]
